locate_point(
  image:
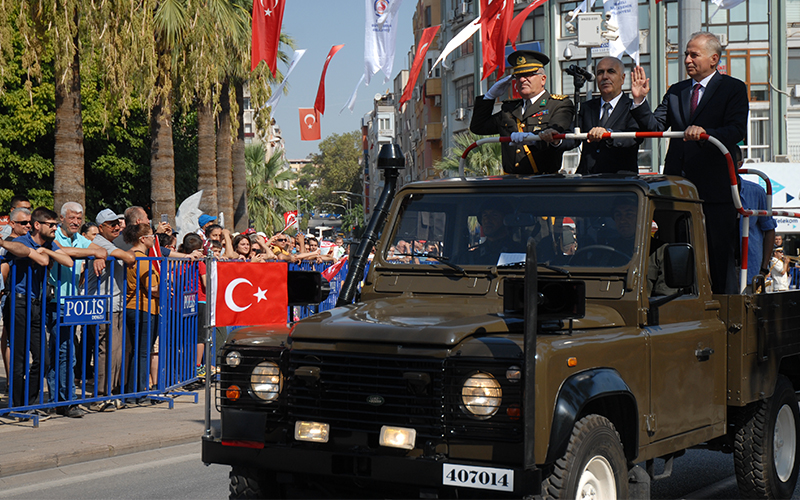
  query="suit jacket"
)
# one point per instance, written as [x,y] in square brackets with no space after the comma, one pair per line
[722,112]
[609,155]
[550,111]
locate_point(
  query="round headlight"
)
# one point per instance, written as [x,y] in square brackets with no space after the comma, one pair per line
[233,359]
[481,395]
[266,381]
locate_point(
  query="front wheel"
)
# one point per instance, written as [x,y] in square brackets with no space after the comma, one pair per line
[594,466]
[251,483]
[765,445]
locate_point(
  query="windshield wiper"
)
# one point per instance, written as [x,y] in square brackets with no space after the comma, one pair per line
[545,265]
[439,258]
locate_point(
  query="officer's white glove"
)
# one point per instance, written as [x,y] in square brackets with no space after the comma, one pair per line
[519,137]
[499,89]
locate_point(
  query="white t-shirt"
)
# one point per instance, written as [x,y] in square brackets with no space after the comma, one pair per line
[780,280]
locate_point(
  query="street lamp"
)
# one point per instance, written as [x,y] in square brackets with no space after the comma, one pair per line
[363,199]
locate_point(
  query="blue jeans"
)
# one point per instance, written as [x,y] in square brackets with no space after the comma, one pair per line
[66,362]
[140,343]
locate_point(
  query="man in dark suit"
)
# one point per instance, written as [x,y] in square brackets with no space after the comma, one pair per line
[536,111]
[608,113]
[715,104]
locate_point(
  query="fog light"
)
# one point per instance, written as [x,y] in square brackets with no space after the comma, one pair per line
[398,437]
[316,432]
[233,359]
[233,392]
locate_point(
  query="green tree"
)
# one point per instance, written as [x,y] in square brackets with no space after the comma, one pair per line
[481,161]
[338,166]
[267,200]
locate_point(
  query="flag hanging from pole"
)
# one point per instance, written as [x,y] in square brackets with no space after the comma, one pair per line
[457,40]
[625,15]
[496,19]
[248,293]
[379,37]
[276,94]
[319,103]
[519,20]
[309,125]
[350,104]
[424,45]
[267,21]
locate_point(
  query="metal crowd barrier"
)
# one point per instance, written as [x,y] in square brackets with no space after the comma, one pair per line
[66,350]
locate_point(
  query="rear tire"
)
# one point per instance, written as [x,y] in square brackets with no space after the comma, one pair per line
[766,443]
[594,465]
[251,483]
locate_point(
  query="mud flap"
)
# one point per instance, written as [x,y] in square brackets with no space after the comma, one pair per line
[638,483]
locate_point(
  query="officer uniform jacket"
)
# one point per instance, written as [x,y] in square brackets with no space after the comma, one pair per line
[608,155]
[549,111]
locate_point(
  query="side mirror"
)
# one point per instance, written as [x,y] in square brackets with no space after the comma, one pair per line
[679,265]
[306,288]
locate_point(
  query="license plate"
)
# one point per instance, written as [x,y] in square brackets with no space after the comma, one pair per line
[484,478]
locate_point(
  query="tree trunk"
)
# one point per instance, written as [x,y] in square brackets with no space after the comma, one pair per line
[241,219]
[68,161]
[206,159]
[224,181]
[162,154]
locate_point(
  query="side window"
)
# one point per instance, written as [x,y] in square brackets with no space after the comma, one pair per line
[668,226]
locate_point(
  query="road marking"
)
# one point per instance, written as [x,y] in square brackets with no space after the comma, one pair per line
[92,476]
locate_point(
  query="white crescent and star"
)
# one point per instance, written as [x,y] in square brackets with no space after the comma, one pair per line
[261,294]
[313,120]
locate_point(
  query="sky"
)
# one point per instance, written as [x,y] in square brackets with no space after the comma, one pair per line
[318,25]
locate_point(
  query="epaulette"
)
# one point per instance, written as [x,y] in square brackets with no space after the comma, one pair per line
[558,97]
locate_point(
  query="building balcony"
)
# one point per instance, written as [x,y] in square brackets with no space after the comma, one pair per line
[433,86]
[433,131]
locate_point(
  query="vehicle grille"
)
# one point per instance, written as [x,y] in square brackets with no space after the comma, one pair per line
[364,392]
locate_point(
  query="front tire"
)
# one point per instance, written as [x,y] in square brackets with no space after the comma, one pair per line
[594,466]
[765,445]
[251,483]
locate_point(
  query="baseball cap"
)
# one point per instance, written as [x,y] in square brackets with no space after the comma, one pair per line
[107,215]
[205,219]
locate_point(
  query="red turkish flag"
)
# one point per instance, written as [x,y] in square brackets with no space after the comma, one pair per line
[333,270]
[249,293]
[319,103]
[424,45]
[309,125]
[516,24]
[290,219]
[495,23]
[267,21]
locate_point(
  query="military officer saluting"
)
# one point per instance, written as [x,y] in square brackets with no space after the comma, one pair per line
[536,111]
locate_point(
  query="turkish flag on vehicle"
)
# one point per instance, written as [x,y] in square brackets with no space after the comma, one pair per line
[248,293]
[309,125]
[267,21]
[496,20]
[424,45]
[319,103]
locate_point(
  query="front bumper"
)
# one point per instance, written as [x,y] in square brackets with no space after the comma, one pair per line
[336,466]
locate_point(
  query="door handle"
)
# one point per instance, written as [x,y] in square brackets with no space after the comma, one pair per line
[703,354]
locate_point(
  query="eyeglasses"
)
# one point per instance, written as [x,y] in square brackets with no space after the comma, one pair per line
[113,223]
[50,224]
[282,240]
[148,236]
[22,222]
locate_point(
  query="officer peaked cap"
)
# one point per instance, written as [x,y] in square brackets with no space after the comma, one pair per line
[527,61]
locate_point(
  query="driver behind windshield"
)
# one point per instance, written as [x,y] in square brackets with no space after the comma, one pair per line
[499,239]
[624,214]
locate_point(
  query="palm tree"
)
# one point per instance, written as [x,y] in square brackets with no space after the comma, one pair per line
[267,200]
[484,160]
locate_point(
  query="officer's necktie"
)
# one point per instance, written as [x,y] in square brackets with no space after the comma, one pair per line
[606,114]
[695,96]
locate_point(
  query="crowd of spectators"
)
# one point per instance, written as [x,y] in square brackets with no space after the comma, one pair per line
[63,251]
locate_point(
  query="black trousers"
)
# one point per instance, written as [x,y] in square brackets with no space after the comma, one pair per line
[20,355]
[722,233]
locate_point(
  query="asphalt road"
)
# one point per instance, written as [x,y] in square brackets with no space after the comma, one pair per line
[177,473]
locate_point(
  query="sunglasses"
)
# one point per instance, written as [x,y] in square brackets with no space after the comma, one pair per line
[113,223]
[282,240]
[22,222]
[50,224]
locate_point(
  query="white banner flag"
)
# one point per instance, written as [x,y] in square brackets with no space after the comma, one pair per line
[457,40]
[350,104]
[379,36]
[625,16]
[723,4]
[278,92]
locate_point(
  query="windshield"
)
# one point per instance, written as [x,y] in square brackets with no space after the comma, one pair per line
[580,229]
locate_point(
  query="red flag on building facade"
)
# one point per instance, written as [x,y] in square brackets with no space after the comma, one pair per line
[496,20]
[424,45]
[249,293]
[319,103]
[267,21]
[309,125]
[516,24]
